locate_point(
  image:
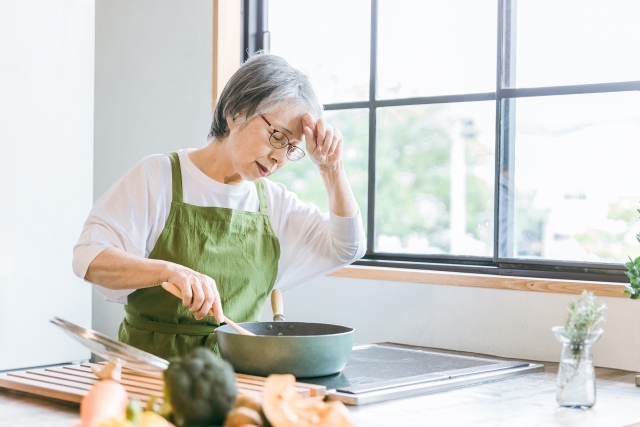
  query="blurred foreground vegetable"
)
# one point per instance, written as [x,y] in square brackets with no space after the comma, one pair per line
[106,399]
[144,419]
[247,412]
[199,389]
[285,407]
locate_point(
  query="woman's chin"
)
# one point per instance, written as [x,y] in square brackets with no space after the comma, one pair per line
[249,176]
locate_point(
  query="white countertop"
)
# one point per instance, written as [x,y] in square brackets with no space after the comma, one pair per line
[527,400]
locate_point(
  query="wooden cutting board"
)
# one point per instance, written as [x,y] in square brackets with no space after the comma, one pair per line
[72,383]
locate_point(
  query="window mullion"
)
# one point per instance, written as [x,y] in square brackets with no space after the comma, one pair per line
[373,73]
[504,243]
[496,179]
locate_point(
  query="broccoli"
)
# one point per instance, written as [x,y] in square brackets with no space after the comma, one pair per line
[199,389]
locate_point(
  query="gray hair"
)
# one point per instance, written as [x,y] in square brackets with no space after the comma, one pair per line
[263,84]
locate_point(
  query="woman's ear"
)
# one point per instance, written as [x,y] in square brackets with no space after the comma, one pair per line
[230,123]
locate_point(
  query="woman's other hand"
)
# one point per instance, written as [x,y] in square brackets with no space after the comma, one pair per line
[199,292]
[115,269]
[323,142]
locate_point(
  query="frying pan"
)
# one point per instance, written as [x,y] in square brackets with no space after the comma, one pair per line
[279,347]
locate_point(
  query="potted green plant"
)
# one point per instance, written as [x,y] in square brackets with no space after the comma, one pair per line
[633,272]
[576,386]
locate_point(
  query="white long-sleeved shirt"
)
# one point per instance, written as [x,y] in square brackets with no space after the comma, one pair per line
[132,214]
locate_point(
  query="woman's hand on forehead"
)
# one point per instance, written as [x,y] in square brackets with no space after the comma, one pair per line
[323,142]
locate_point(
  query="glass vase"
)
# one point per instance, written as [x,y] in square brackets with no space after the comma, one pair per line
[576,382]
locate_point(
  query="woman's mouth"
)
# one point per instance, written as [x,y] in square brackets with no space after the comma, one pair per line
[263,171]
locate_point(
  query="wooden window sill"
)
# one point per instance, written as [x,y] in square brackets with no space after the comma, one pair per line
[481,281]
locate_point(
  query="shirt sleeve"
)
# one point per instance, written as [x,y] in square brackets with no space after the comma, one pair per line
[127,217]
[312,243]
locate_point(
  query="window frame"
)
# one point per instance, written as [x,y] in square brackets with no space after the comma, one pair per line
[256,37]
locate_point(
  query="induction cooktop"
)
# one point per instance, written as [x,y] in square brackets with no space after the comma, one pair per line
[380,372]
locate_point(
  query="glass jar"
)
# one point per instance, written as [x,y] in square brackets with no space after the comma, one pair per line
[576,383]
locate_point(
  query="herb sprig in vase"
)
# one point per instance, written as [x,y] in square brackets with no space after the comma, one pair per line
[575,385]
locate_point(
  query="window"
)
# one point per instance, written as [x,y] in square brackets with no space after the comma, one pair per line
[489,136]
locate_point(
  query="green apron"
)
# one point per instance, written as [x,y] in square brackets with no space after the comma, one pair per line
[238,249]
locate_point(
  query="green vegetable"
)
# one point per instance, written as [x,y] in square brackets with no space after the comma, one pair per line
[200,389]
[134,409]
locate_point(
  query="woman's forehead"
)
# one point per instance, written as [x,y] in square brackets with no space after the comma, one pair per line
[288,121]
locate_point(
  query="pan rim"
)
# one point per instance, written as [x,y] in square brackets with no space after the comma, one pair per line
[226,329]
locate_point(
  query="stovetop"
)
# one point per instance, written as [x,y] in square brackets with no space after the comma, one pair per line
[379,372]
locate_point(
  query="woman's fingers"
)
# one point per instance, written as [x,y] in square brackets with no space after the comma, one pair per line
[332,140]
[217,308]
[328,139]
[335,141]
[308,121]
[309,138]
[198,296]
[199,293]
[321,132]
[322,140]
[209,297]
[187,293]
[308,127]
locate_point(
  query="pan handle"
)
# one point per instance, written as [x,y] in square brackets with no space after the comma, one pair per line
[277,306]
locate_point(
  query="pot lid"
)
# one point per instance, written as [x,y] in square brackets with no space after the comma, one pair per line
[112,350]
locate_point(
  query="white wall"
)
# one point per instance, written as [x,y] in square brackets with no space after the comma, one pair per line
[46,145]
[491,321]
[153,85]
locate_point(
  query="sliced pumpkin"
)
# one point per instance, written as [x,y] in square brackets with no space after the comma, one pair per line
[285,407]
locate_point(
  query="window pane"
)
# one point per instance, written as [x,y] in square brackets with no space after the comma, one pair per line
[328,40]
[572,42]
[437,47]
[434,179]
[575,181]
[303,178]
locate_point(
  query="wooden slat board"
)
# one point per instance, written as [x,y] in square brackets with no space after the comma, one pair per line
[72,383]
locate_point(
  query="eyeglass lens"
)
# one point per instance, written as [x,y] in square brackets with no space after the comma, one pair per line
[294,153]
[280,140]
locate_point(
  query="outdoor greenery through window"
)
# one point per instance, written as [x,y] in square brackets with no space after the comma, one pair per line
[495,134]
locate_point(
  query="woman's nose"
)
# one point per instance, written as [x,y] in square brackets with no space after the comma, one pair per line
[279,155]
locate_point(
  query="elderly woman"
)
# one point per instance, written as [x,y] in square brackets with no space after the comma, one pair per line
[209,222]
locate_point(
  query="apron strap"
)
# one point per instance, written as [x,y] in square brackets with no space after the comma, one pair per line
[176,177]
[262,199]
[168,328]
[175,328]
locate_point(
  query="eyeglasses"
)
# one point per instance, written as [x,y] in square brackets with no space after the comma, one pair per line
[280,140]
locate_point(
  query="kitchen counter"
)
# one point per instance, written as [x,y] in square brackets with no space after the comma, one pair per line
[527,400]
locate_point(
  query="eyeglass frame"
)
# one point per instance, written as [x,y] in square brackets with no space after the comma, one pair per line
[287,144]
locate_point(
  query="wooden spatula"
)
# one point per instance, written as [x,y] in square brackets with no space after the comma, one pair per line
[173,289]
